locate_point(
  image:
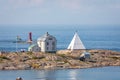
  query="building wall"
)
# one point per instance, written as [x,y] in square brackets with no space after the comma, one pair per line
[43,46]
[49,45]
[39,43]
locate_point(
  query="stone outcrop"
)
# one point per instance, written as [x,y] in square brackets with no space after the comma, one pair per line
[62,59]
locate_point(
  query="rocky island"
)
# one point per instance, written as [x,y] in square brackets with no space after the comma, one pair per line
[60,60]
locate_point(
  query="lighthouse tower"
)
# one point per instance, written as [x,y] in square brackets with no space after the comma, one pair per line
[30,37]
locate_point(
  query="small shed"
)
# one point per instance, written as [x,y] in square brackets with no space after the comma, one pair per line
[85,56]
[34,48]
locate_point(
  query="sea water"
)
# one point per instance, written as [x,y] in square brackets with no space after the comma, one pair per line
[105,73]
[93,37]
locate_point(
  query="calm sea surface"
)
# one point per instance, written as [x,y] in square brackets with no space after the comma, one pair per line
[93,37]
[105,73]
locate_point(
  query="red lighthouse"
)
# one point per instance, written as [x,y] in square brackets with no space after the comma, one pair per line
[30,37]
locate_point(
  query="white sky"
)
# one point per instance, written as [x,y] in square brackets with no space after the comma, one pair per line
[71,12]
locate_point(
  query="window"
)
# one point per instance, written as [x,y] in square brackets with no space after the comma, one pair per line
[50,38]
[47,43]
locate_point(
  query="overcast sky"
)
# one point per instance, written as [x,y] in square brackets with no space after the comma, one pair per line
[70,12]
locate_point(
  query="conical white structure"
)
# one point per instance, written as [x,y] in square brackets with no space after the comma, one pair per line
[76,43]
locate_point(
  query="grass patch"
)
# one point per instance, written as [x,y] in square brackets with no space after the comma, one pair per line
[115,57]
[29,53]
[3,58]
[62,55]
[35,66]
[34,57]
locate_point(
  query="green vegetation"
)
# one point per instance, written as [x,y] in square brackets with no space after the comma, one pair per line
[29,53]
[115,57]
[35,66]
[3,57]
[62,55]
[34,57]
[92,53]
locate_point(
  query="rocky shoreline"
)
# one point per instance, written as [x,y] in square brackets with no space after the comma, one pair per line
[63,59]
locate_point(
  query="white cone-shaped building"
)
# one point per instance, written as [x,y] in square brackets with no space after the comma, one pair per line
[76,43]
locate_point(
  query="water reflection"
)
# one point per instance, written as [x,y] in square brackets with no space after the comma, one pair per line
[46,75]
[73,74]
[108,73]
[57,75]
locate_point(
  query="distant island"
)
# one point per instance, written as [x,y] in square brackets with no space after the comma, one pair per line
[62,59]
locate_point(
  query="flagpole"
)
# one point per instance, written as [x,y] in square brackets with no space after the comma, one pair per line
[16,44]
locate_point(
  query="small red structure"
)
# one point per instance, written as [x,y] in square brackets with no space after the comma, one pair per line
[30,37]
